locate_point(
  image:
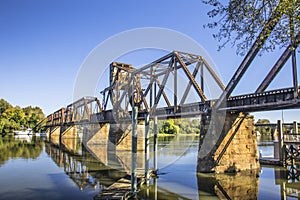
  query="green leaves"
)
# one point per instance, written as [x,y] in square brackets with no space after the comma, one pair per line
[240,21]
[14,118]
[169,127]
[179,126]
[264,130]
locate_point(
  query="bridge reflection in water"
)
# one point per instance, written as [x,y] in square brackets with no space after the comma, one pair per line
[81,166]
[94,166]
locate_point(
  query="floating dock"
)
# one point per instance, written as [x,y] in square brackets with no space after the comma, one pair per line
[270,161]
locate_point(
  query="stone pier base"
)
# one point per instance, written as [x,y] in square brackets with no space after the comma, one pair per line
[234,150]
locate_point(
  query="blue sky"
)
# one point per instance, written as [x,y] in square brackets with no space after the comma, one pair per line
[43,43]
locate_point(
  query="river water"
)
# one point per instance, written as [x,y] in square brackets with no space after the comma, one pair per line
[35,168]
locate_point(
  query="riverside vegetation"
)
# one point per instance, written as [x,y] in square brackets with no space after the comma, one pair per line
[14,118]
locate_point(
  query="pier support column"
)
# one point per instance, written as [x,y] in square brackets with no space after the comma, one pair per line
[96,134]
[147,149]
[235,150]
[134,150]
[54,131]
[278,145]
[295,127]
[120,135]
[68,131]
[155,145]
[95,139]
[54,134]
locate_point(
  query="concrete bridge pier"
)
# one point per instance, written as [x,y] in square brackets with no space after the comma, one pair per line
[54,131]
[95,139]
[112,144]
[68,136]
[228,147]
[121,136]
[68,131]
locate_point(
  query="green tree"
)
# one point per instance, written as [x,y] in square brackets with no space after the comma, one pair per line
[4,105]
[169,127]
[33,117]
[12,119]
[188,126]
[264,130]
[239,22]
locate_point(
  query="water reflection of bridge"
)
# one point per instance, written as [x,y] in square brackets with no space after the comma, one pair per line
[92,165]
[85,170]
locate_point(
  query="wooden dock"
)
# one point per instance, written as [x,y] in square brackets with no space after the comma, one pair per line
[270,161]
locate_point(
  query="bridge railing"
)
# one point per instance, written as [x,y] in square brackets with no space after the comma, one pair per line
[56,118]
[274,99]
[77,112]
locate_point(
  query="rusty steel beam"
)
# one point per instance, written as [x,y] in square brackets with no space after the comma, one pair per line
[168,56]
[187,90]
[163,92]
[86,108]
[175,90]
[262,37]
[201,76]
[58,117]
[214,75]
[191,78]
[295,74]
[143,97]
[277,67]
[123,94]
[99,105]
[162,86]
[274,100]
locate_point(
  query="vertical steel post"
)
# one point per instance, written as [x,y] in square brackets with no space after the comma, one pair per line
[175,89]
[202,76]
[155,188]
[134,150]
[151,96]
[155,144]
[147,148]
[295,77]
[295,125]
[280,138]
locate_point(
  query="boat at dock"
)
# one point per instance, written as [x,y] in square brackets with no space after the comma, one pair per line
[43,134]
[24,132]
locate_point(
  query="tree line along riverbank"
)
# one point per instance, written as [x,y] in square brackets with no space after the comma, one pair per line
[14,118]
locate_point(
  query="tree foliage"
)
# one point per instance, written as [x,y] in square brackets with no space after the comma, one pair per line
[264,130]
[33,116]
[240,21]
[4,105]
[179,126]
[169,127]
[15,118]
